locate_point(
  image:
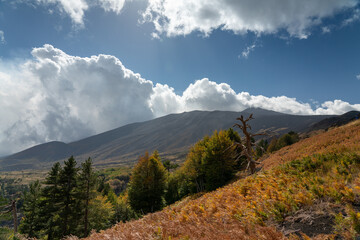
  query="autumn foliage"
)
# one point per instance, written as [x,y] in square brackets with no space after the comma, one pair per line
[342,139]
[251,207]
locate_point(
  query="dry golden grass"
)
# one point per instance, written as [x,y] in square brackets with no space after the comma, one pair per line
[24,177]
[248,208]
[342,139]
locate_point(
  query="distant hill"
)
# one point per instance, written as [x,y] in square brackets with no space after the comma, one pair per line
[335,121]
[171,135]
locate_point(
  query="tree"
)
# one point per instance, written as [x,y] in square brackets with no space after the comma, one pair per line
[31,223]
[86,190]
[51,202]
[7,212]
[172,189]
[247,148]
[211,163]
[70,212]
[273,145]
[147,184]
[261,148]
[100,213]
[169,166]
[193,170]
[219,160]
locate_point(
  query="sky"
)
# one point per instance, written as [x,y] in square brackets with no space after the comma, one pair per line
[73,68]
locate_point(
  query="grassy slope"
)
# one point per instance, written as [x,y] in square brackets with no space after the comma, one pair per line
[342,139]
[251,207]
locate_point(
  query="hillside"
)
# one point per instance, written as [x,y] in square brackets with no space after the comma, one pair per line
[171,135]
[305,196]
[341,139]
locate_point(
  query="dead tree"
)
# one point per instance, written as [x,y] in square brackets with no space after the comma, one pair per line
[11,208]
[247,148]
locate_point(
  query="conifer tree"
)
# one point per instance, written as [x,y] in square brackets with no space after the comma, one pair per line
[32,223]
[70,212]
[87,192]
[147,184]
[50,205]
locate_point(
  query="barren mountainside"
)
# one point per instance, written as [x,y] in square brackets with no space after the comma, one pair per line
[171,135]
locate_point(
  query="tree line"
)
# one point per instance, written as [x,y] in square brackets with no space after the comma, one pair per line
[71,201]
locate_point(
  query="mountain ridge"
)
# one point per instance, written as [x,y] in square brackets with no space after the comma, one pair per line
[171,135]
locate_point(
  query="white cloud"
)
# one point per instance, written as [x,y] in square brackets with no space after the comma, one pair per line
[56,96]
[336,107]
[358,77]
[246,52]
[2,37]
[76,9]
[112,5]
[240,16]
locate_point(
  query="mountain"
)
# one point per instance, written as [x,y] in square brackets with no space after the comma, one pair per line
[335,121]
[171,135]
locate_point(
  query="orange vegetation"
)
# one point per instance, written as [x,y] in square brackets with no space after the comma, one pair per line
[250,207]
[342,139]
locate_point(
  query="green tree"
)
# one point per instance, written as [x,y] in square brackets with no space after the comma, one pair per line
[31,223]
[172,193]
[50,205]
[100,213]
[87,192]
[261,148]
[169,165]
[70,212]
[273,145]
[210,163]
[219,160]
[147,184]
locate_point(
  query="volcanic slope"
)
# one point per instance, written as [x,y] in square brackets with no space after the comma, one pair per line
[303,196]
[171,135]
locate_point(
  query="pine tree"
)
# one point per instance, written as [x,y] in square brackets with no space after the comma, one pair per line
[70,211]
[147,184]
[51,203]
[87,192]
[32,223]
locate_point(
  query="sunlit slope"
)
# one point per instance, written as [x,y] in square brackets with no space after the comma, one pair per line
[341,139]
[250,208]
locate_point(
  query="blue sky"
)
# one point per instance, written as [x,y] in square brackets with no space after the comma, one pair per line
[298,57]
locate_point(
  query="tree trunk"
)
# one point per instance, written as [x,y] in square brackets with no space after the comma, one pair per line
[13,206]
[86,221]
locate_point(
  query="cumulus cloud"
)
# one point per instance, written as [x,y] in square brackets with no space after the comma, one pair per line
[240,16]
[56,96]
[76,9]
[2,37]
[61,97]
[358,77]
